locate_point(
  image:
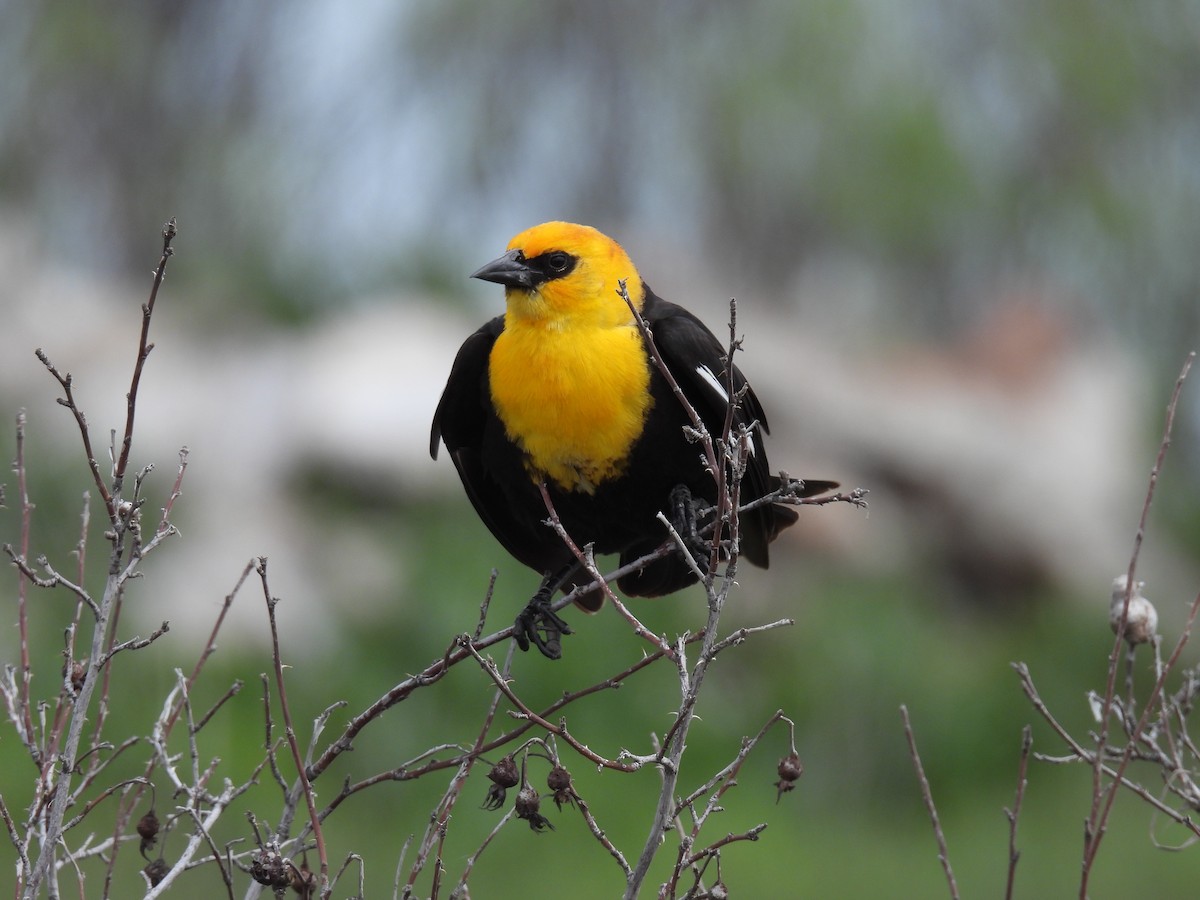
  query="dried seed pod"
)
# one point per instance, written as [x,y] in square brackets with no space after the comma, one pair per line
[559,782]
[268,867]
[156,871]
[504,775]
[1141,624]
[790,769]
[527,805]
[147,828]
[77,674]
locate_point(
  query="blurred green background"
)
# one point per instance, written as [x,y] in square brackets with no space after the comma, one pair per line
[962,237]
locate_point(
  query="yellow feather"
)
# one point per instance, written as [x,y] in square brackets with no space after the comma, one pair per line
[569,375]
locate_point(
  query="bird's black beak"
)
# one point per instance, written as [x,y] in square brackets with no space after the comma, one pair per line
[510,270]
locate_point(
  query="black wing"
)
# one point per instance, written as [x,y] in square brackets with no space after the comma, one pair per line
[698,361]
[466,422]
[460,415]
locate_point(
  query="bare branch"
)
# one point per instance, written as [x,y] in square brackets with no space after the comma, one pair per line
[23,705]
[290,731]
[559,730]
[68,400]
[144,348]
[1102,804]
[927,795]
[441,816]
[137,643]
[1081,754]
[1014,814]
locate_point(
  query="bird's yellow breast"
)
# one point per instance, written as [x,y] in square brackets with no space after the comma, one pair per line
[575,399]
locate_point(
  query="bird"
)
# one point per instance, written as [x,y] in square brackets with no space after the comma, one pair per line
[561,393]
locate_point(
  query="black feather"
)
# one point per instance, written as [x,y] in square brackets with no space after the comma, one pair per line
[621,515]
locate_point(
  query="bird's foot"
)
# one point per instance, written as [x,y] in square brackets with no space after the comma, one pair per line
[686,513]
[539,625]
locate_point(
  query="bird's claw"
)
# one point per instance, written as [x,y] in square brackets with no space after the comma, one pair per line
[686,511]
[539,625]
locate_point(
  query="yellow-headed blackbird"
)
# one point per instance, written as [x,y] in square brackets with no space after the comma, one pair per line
[561,390]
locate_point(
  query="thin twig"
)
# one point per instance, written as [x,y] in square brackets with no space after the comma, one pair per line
[290,731]
[25,706]
[407,772]
[1083,755]
[486,604]
[705,441]
[18,842]
[209,648]
[691,680]
[599,834]
[588,561]
[144,348]
[927,795]
[559,730]
[137,643]
[362,874]
[726,778]
[460,889]
[1101,805]
[164,523]
[1014,814]
[68,400]
[441,816]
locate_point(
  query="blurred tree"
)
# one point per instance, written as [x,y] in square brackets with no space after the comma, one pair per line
[946,147]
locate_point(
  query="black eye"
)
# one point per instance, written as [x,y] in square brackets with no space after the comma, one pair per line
[558,261]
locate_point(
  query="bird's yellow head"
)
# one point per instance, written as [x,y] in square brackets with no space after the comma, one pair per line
[558,273]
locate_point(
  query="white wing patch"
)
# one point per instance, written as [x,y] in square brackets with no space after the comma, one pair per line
[708,377]
[713,382]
